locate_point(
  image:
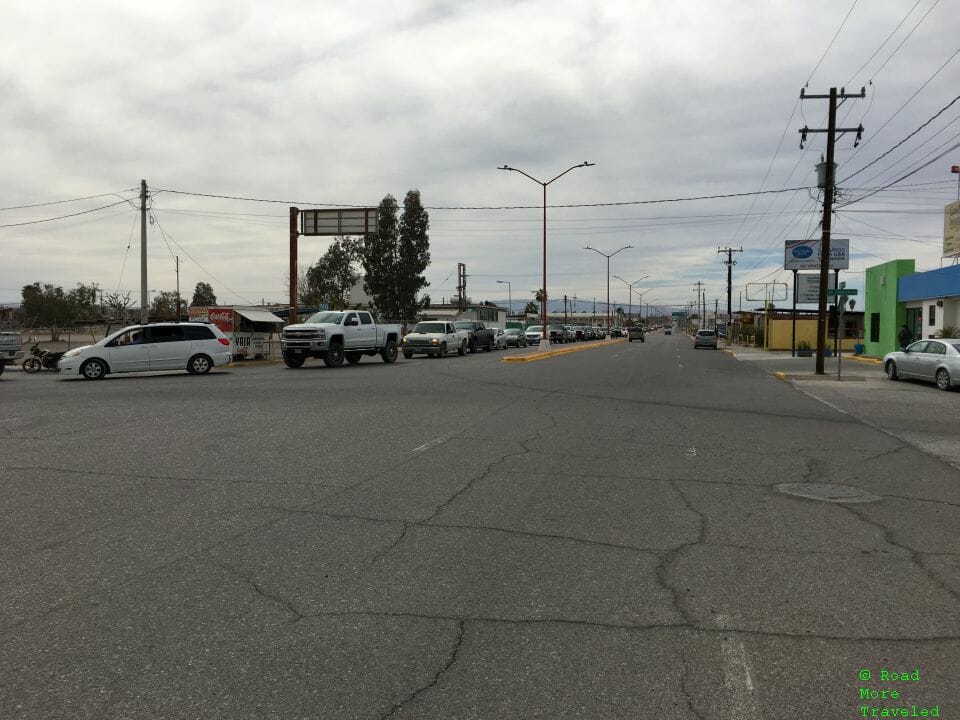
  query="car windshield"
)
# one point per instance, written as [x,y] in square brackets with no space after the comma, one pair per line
[429,327]
[325,316]
[535,328]
[512,331]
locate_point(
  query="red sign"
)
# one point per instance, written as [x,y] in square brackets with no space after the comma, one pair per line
[955,169]
[222,317]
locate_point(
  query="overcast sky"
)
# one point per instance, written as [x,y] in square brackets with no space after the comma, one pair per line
[342,103]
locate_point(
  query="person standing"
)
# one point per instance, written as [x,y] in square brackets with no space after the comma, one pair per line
[904,336]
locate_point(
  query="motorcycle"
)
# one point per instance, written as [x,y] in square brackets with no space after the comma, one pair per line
[41,359]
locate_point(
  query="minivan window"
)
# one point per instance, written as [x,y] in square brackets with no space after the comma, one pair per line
[165,333]
[197,332]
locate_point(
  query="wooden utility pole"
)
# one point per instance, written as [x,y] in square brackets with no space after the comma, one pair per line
[828,192]
[729,262]
[294,235]
[144,295]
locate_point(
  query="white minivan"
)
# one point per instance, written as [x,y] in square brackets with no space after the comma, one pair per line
[194,347]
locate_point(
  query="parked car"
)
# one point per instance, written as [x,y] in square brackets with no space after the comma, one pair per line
[194,347]
[499,339]
[479,335]
[533,334]
[580,332]
[11,348]
[434,338]
[705,338]
[515,337]
[668,331]
[936,361]
[556,333]
[335,336]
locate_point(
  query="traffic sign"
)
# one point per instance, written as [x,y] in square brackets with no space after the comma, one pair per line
[843,292]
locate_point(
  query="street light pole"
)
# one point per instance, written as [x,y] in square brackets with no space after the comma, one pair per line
[630,285]
[608,256]
[509,295]
[545,338]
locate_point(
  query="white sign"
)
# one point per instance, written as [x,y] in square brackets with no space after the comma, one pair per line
[805,254]
[808,287]
[951,229]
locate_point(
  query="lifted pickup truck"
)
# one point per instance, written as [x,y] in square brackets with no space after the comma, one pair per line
[335,336]
[435,338]
[478,335]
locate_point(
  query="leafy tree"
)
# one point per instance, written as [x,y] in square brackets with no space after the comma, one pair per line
[164,303]
[49,306]
[539,296]
[395,257]
[203,295]
[531,309]
[425,304]
[330,279]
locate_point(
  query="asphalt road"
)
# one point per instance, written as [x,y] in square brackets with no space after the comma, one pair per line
[599,535]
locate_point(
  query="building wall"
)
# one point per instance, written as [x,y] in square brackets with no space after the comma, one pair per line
[882,312]
[781,334]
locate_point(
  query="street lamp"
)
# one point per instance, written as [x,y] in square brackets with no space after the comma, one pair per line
[630,285]
[545,338]
[509,294]
[608,256]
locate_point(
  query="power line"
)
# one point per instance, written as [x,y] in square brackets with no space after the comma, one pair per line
[61,202]
[892,33]
[835,35]
[64,217]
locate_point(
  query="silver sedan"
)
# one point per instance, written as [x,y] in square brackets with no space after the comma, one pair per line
[936,361]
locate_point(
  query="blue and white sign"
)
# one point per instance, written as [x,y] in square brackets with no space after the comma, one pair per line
[805,254]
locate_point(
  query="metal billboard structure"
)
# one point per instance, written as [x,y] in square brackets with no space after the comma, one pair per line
[329,222]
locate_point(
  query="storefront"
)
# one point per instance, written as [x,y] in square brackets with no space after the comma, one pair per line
[250,329]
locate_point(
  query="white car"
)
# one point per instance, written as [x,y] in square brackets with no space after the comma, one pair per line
[499,339]
[534,333]
[194,347]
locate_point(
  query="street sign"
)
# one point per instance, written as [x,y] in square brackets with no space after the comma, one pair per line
[843,292]
[352,221]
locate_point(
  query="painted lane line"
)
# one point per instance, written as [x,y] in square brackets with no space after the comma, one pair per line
[691,452]
[737,680]
[435,441]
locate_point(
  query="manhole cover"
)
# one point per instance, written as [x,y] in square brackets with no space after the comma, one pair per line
[828,493]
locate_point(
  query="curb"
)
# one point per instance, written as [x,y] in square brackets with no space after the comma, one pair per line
[557,353]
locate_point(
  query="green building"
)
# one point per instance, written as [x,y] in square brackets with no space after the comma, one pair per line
[883,314]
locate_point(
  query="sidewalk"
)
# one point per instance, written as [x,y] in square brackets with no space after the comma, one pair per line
[783,365]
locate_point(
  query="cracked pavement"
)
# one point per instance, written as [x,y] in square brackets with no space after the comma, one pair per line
[594,536]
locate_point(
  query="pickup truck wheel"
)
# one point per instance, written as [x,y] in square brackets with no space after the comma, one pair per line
[389,352]
[334,356]
[489,345]
[354,357]
[472,347]
[462,350]
[293,361]
[407,354]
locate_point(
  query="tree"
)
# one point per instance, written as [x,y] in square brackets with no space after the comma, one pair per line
[115,305]
[539,296]
[164,303]
[531,309]
[330,279]
[203,295]
[49,306]
[395,257]
[425,303]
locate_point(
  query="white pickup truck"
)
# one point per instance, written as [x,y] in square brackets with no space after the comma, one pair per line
[335,336]
[11,348]
[435,338]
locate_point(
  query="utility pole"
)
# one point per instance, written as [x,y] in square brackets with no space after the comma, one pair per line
[699,312]
[177,261]
[462,286]
[828,191]
[144,298]
[729,262]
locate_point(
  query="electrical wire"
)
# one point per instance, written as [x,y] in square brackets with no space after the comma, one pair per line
[63,217]
[930,120]
[61,202]
[892,33]
[833,40]
[909,34]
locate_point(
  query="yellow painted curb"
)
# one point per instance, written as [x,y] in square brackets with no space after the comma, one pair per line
[781,375]
[558,353]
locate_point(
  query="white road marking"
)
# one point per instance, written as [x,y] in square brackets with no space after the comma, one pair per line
[436,441]
[691,452]
[737,679]
[614,357]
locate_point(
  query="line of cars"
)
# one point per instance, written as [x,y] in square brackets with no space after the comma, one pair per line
[558,333]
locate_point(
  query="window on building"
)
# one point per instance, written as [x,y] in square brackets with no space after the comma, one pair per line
[874,327]
[932,315]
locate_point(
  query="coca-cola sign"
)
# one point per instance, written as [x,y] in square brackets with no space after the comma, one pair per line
[222,318]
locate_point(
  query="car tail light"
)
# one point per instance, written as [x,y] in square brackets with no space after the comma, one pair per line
[224,341]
